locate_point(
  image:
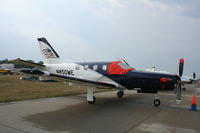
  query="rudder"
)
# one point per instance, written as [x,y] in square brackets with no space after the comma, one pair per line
[49,54]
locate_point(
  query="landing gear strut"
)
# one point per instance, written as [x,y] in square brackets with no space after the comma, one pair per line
[90,94]
[120,94]
[156,101]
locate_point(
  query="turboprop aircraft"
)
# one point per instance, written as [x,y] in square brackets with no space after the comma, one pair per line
[115,74]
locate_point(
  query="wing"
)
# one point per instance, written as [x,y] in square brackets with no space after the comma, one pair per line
[81,81]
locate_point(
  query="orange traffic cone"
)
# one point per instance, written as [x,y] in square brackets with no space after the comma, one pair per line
[194,104]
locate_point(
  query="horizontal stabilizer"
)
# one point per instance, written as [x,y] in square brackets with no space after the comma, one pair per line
[18,60]
[34,72]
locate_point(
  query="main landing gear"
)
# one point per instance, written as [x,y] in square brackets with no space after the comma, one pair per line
[156,101]
[120,94]
[90,94]
[92,102]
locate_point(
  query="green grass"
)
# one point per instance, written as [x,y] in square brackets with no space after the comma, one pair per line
[12,88]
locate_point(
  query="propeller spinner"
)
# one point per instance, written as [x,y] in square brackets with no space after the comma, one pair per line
[181,65]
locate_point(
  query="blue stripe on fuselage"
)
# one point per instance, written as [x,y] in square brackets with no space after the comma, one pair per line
[145,80]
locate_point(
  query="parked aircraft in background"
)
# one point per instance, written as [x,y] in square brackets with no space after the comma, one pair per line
[6,68]
[3,71]
[153,69]
[115,74]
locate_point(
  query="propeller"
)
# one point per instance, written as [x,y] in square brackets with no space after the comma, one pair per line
[194,75]
[179,87]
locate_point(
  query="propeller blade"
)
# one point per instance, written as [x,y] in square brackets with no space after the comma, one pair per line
[181,64]
[194,75]
[178,94]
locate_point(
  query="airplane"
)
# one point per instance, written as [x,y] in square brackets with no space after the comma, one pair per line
[5,71]
[6,68]
[115,74]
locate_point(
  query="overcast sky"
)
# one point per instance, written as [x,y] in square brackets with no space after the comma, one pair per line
[144,32]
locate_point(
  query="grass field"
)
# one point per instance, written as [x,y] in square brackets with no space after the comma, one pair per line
[12,88]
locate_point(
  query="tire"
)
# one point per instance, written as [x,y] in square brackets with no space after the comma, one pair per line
[92,102]
[156,102]
[120,94]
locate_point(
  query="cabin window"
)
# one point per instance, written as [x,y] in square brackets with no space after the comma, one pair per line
[95,67]
[86,67]
[104,67]
[78,67]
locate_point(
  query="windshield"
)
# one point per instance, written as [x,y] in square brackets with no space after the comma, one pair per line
[124,65]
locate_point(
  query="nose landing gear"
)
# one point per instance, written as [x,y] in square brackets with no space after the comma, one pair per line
[156,101]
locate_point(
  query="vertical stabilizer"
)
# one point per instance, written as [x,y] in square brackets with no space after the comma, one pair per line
[49,54]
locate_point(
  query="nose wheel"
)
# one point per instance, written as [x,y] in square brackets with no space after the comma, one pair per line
[156,102]
[120,94]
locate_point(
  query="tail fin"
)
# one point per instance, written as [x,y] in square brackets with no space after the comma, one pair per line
[49,54]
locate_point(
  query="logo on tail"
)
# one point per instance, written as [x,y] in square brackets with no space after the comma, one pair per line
[48,53]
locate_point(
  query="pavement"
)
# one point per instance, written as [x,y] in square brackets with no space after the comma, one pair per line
[134,113]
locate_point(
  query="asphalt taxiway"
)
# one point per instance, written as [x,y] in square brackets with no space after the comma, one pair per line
[133,113]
